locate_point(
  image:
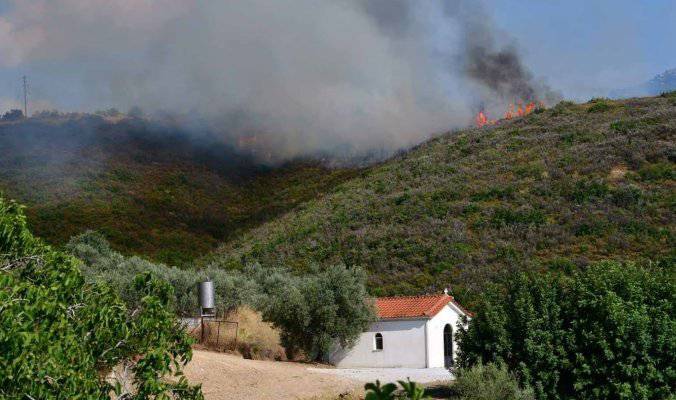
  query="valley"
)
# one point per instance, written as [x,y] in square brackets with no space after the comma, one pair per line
[152,190]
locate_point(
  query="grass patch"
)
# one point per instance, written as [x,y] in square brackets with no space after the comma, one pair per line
[497,193]
[599,107]
[624,126]
[657,172]
[506,216]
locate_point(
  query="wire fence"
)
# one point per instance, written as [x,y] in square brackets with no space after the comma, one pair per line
[213,333]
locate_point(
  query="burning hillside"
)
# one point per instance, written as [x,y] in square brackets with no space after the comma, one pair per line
[521,110]
[300,87]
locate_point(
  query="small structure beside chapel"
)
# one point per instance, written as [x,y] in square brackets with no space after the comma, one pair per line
[411,332]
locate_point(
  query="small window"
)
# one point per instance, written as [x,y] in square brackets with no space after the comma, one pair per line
[378,341]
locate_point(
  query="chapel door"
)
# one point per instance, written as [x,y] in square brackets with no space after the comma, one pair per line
[448,346]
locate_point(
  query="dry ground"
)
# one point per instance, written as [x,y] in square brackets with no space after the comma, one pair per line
[225,376]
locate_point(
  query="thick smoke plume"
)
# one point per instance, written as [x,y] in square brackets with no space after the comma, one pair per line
[501,71]
[281,79]
[496,67]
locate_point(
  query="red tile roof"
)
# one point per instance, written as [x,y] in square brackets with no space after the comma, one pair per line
[414,306]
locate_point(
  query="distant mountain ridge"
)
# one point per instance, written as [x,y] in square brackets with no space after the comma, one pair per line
[664,82]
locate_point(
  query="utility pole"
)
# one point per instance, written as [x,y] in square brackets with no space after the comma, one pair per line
[25,97]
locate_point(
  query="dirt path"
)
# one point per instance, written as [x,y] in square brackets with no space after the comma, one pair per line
[225,376]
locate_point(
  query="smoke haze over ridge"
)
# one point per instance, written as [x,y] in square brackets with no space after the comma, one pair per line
[302,77]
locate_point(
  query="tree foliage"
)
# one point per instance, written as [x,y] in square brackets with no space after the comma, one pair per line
[101,263]
[315,311]
[12,115]
[605,332]
[60,337]
[312,311]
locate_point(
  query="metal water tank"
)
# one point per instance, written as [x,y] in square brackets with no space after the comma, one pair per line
[206,298]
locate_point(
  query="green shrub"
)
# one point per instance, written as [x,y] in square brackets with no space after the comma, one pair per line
[592,227]
[669,95]
[599,106]
[471,208]
[628,196]
[561,264]
[606,332]
[500,193]
[623,126]
[374,391]
[60,336]
[506,216]
[657,172]
[589,189]
[489,382]
[409,391]
[563,107]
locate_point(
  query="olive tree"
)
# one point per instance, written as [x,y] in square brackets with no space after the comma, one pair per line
[317,310]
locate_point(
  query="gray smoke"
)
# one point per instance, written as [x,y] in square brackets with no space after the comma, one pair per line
[280,79]
[500,71]
[496,67]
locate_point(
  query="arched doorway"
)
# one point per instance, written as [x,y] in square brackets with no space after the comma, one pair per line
[448,346]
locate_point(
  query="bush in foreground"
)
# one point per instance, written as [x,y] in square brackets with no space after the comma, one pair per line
[606,332]
[489,382]
[61,337]
[409,391]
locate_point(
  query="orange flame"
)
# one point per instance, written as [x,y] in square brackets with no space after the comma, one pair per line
[521,111]
[509,114]
[530,107]
[481,119]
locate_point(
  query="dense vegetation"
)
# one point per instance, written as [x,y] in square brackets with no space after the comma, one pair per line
[62,338]
[556,190]
[312,311]
[101,263]
[606,332]
[151,188]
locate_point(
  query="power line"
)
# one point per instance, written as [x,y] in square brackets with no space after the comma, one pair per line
[25,97]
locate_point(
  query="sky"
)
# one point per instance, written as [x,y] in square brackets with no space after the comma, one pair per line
[586,48]
[323,73]
[582,48]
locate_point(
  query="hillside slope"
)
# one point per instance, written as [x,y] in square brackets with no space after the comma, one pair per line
[556,189]
[152,190]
